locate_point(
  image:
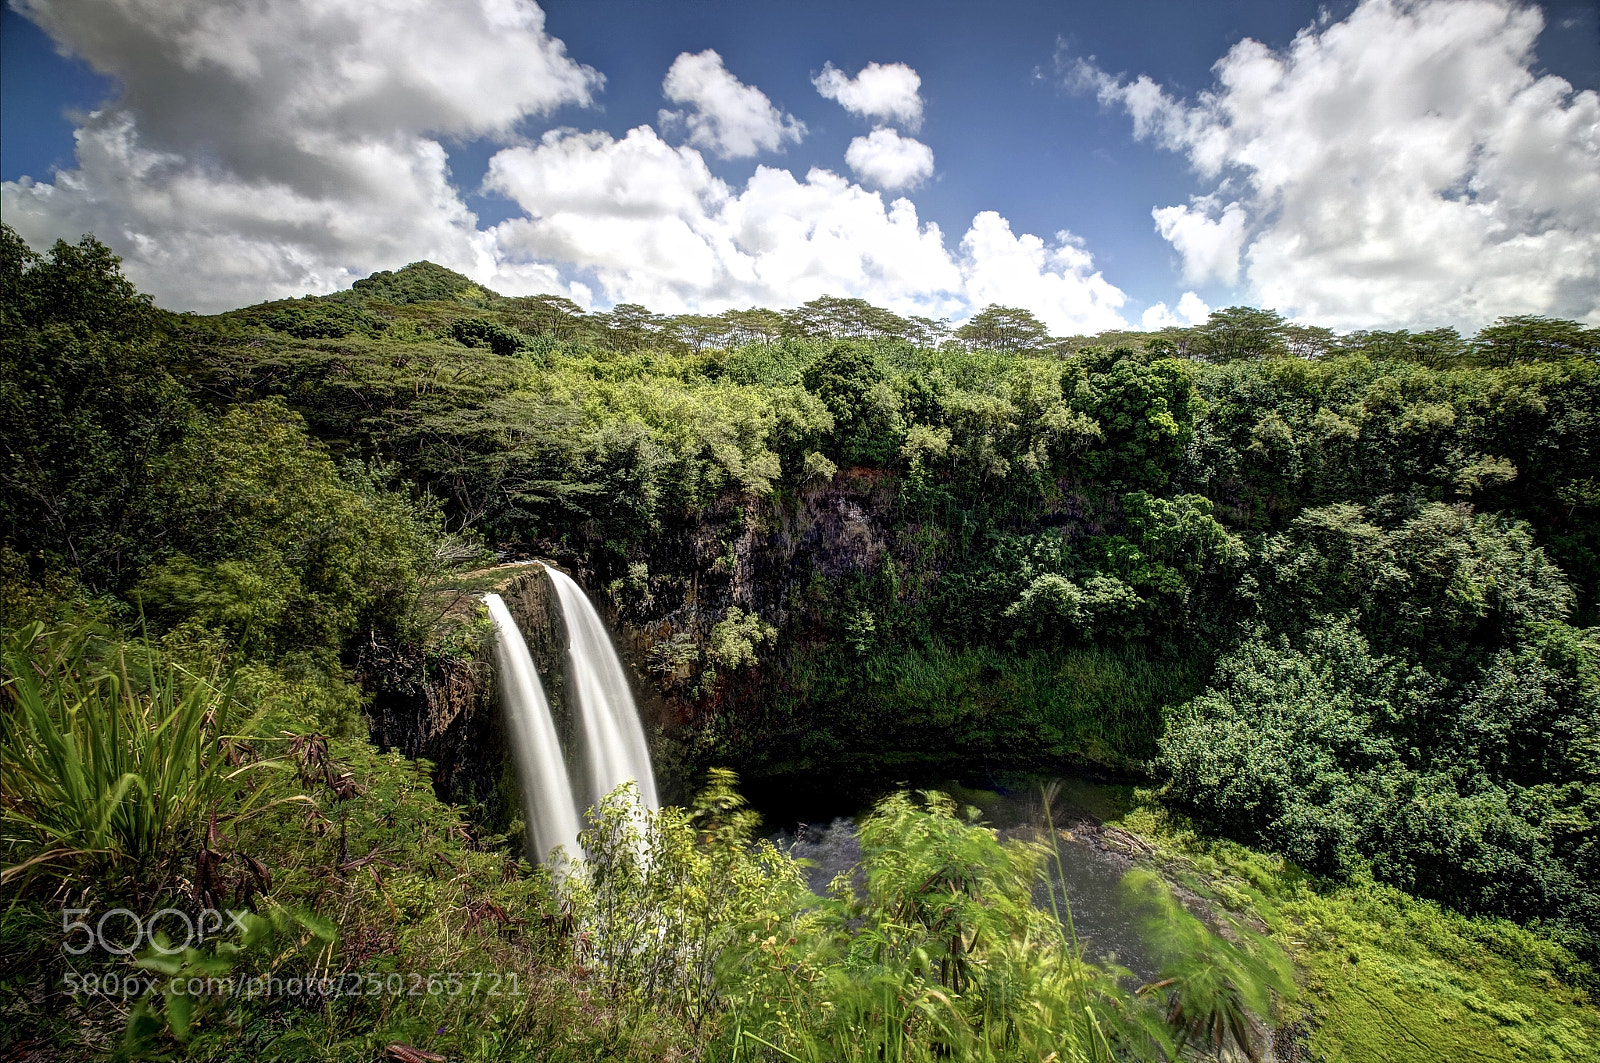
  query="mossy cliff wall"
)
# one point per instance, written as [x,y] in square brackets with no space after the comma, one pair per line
[787,567]
[440,704]
[779,560]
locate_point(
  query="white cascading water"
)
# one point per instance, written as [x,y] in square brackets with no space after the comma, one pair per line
[614,748]
[546,791]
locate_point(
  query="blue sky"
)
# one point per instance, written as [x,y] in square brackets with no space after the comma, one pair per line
[1031,111]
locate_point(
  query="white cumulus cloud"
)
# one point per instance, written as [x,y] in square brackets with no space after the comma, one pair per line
[1209,245]
[884,92]
[291,145]
[1191,311]
[727,117]
[653,225]
[889,160]
[1405,167]
[1059,284]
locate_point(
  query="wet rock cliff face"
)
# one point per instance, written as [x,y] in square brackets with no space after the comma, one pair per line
[755,554]
[771,562]
[441,705]
[663,603]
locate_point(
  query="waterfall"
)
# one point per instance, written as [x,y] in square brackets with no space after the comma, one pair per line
[546,792]
[612,737]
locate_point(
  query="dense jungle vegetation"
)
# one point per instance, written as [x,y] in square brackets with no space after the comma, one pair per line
[1326,605]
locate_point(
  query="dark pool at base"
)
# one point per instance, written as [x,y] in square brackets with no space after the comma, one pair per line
[1087,881]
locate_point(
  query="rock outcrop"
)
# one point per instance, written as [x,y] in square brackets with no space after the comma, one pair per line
[760,556]
[439,703]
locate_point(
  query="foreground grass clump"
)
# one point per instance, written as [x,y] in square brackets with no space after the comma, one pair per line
[366,915]
[113,752]
[1388,976]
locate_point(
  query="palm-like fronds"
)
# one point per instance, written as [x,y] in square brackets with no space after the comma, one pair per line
[1215,988]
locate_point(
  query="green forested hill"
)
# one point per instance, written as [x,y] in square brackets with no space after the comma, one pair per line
[1334,596]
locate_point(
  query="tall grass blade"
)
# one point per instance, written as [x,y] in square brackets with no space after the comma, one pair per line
[108,763]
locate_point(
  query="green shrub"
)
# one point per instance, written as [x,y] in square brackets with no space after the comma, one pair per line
[1437,580]
[311,318]
[1483,796]
[734,638]
[867,423]
[664,899]
[88,402]
[477,332]
[1054,609]
[1145,412]
[113,754]
[271,538]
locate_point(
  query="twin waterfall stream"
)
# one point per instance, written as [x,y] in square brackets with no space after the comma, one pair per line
[611,741]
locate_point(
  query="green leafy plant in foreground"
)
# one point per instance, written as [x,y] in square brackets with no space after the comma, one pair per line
[1215,989]
[947,954]
[265,941]
[663,898]
[111,751]
[685,928]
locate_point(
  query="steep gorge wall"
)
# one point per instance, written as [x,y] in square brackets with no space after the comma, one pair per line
[442,707]
[780,559]
[759,556]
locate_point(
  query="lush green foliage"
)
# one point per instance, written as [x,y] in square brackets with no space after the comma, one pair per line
[1217,993]
[867,427]
[1332,591]
[310,318]
[934,949]
[1386,976]
[233,520]
[266,537]
[87,401]
[904,713]
[1440,581]
[1486,795]
[109,760]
